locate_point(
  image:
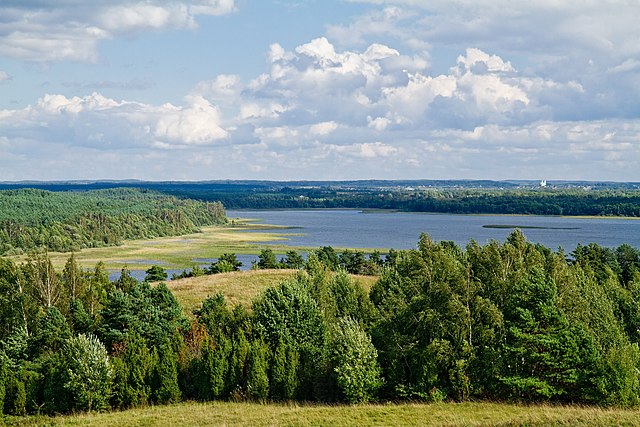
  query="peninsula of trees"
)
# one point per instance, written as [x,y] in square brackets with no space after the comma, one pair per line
[70,220]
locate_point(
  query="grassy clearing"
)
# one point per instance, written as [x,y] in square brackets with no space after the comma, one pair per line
[238,287]
[254,415]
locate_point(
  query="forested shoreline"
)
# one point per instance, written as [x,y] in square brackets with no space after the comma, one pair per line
[510,321]
[520,202]
[32,219]
[453,197]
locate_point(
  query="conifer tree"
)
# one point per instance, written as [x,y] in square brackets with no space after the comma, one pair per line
[165,376]
[257,376]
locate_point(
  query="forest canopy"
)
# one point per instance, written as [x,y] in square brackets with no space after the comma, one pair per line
[69,221]
[444,196]
[510,321]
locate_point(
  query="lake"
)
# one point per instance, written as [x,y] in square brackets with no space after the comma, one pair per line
[399,230]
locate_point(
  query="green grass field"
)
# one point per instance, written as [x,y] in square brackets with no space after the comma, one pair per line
[255,415]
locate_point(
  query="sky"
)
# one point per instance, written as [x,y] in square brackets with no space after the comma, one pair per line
[319,89]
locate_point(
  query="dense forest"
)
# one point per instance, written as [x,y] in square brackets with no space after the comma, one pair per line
[456,197]
[69,221]
[509,321]
[453,201]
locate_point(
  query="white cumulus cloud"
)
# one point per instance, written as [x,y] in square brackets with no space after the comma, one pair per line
[71,29]
[103,123]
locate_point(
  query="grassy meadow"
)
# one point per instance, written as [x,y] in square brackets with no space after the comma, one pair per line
[255,415]
[238,287]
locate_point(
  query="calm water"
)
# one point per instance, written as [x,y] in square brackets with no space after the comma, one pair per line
[246,260]
[355,229]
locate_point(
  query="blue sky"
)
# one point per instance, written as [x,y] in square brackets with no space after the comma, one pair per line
[386,89]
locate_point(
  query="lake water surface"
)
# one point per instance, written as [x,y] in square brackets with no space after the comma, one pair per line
[384,230]
[358,229]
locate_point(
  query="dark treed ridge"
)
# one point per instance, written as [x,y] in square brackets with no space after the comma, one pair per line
[70,221]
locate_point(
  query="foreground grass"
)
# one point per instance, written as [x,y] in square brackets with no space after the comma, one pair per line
[254,415]
[238,287]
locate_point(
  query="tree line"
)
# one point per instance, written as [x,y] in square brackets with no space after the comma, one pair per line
[351,261]
[70,221]
[508,321]
[569,202]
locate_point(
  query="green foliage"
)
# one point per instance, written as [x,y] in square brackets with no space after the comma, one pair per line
[221,267]
[354,361]
[267,259]
[329,257]
[165,376]
[444,198]
[351,300]
[16,396]
[215,367]
[69,221]
[17,305]
[42,279]
[4,374]
[155,274]
[545,357]
[257,378]
[133,372]
[81,321]
[238,365]
[125,282]
[89,373]
[510,320]
[288,313]
[293,260]
[56,397]
[73,280]
[507,321]
[151,312]
[16,348]
[353,262]
[52,332]
[284,372]
[620,377]
[225,264]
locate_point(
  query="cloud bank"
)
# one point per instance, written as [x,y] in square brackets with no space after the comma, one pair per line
[410,89]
